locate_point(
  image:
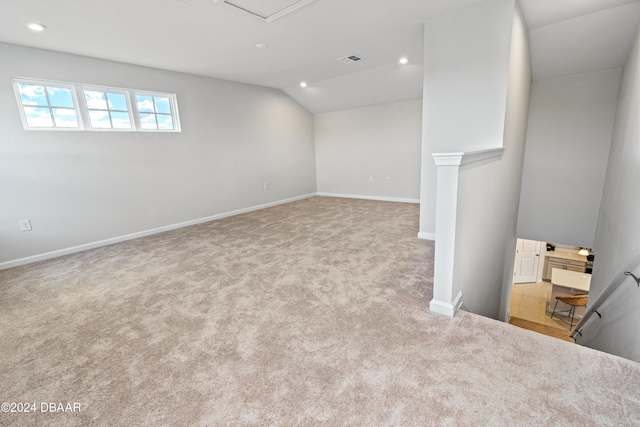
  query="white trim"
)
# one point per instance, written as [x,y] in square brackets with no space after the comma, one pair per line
[427,236]
[446,225]
[457,303]
[47,83]
[466,157]
[287,10]
[54,254]
[447,173]
[378,198]
[443,307]
[277,15]
[173,105]
[82,109]
[86,111]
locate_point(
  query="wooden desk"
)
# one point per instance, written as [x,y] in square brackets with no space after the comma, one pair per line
[567,282]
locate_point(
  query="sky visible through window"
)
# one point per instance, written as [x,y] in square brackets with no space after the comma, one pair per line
[48,106]
[155,112]
[51,105]
[107,110]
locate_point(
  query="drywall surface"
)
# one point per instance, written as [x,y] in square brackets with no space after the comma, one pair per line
[351,91]
[81,187]
[370,151]
[489,193]
[616,240]
[570,128]
[465,91]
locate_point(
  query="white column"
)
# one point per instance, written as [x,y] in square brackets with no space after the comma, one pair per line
[448,168]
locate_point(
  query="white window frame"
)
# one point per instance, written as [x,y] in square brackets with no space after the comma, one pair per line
[172,103]
[82,109]
[47,83]
[106,89]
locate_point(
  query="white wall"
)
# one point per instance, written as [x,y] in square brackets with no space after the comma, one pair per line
[379,141]
[617,235]
[489,195]
[477,87]
[570,127]
[82,187]
[465,91]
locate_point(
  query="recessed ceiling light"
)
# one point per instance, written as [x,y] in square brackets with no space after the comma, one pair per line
[34,26]
[303,84]
[262,45]
[404,60]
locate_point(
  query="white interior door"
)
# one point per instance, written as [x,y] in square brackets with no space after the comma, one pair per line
[527,260]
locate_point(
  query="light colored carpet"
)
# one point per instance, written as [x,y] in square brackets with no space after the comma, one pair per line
[310,313]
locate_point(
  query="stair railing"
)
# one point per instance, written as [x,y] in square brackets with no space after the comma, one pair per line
[617,280]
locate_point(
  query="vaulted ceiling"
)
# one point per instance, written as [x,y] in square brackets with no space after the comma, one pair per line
[305,38]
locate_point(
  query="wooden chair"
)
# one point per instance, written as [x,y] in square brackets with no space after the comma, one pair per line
[574,301]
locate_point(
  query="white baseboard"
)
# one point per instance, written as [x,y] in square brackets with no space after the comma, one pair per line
[443,307]
[427,236]
[380,199]
[93,245]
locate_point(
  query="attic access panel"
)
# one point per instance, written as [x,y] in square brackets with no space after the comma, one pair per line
[269,10]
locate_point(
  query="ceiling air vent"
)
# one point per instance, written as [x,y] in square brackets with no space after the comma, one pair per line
[351,58]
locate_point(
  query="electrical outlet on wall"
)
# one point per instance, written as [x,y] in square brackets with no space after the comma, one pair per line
[25,225]
[371,178]
[265,185]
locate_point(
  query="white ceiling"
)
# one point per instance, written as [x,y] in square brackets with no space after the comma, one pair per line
[212,38]
[587,42]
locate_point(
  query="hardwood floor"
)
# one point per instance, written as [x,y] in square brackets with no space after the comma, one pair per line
[529,310]
[551,331]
